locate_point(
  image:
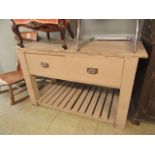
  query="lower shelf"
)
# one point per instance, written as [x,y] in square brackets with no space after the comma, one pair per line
[85,100]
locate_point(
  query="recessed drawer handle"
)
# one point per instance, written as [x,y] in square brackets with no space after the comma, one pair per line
[92,70]
[44,64]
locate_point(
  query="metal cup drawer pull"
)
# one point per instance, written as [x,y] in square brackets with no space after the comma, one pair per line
[92,70]
[44,64]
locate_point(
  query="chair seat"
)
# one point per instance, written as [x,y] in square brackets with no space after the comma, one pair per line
[41,21]
[12,77]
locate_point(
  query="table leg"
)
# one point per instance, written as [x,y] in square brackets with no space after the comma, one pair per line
[12,97]
[129,71]
[31,83]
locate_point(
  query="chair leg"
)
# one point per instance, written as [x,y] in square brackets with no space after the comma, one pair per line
[3,91]
[62,29]
[48,36]
[15,29]
[62,34]
[11,95]
[70,31]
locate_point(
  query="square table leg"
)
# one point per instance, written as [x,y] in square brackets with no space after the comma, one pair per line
[129,71]
[31,83]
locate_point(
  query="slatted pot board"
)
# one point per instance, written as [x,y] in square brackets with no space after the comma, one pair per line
[85,100]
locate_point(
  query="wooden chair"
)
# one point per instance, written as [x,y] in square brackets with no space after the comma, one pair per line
[12,78]
[44,25]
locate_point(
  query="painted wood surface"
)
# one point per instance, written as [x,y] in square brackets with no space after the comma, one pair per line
[104,48]
[128,77]
[110,64]
[86,101]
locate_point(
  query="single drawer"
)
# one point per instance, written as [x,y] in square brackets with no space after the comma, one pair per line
[46,65]
[105,71]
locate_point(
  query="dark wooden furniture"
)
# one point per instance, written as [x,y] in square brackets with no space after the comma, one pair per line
[45,25]
[143,103]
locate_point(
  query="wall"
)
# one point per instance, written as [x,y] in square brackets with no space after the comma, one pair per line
[7,47]
[96,27]
[89,27]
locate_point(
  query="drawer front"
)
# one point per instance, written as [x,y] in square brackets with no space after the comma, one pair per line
[96,70]
[46,65]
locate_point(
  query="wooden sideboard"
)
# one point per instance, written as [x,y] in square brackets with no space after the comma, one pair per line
[97,80]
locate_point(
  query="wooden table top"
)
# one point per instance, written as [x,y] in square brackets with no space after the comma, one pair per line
[98,48]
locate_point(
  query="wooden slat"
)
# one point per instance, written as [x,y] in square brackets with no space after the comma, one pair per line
[111,104]
[63,95]
[60,91]
[45,89]
[20,91]
[74,98]
[53,92]
[107,104]
[48,92]
[87,100]
[100,103]
[68,97]
[93,102]
[114,106]
[81,99]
